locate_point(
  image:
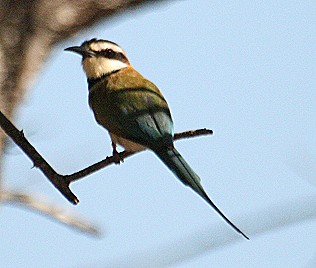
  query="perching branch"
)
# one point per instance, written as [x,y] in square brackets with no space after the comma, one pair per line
[62,182]
[110,159]
[193,133]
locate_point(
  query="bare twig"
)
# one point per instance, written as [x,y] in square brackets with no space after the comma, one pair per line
[55,213]
[110,159]
[62,182]
[193,133]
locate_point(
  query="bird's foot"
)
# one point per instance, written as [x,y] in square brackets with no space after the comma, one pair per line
[117,158]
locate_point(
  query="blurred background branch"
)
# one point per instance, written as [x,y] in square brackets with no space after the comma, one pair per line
[56,213]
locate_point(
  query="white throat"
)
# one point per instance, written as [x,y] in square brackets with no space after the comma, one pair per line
[95,67]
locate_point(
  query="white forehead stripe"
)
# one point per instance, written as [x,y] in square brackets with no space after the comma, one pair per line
[102,45]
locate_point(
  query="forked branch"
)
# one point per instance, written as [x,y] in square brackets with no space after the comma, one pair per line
[62,182]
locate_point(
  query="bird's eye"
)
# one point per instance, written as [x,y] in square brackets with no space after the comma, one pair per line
[109,51]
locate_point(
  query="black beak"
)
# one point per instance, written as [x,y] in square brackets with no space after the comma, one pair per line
[84,52]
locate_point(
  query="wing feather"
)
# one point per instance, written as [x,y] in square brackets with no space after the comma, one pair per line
[132,107]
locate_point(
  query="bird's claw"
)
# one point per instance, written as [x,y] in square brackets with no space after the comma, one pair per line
[117,157]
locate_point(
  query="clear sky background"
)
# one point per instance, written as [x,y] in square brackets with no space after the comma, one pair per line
[245,69]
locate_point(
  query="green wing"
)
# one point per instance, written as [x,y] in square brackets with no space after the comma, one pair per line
[132,107]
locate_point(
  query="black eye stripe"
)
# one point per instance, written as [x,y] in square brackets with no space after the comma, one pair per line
[111,54]
[107,52]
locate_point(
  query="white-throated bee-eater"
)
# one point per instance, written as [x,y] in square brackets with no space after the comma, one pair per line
[133,110]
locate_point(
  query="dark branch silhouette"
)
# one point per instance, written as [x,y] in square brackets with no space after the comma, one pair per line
[62,182]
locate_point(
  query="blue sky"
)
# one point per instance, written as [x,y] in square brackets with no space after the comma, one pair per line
[245,69]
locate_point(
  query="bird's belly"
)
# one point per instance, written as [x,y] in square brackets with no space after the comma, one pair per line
[127,144]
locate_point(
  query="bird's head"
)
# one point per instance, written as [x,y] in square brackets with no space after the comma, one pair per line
[100,57]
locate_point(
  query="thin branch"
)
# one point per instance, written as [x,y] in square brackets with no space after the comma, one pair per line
[111,160]
[43,207]
[193,133]
[62,182]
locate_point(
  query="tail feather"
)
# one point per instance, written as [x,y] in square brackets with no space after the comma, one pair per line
[176,163]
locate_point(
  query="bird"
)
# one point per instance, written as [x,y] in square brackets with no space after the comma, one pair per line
[134,111]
